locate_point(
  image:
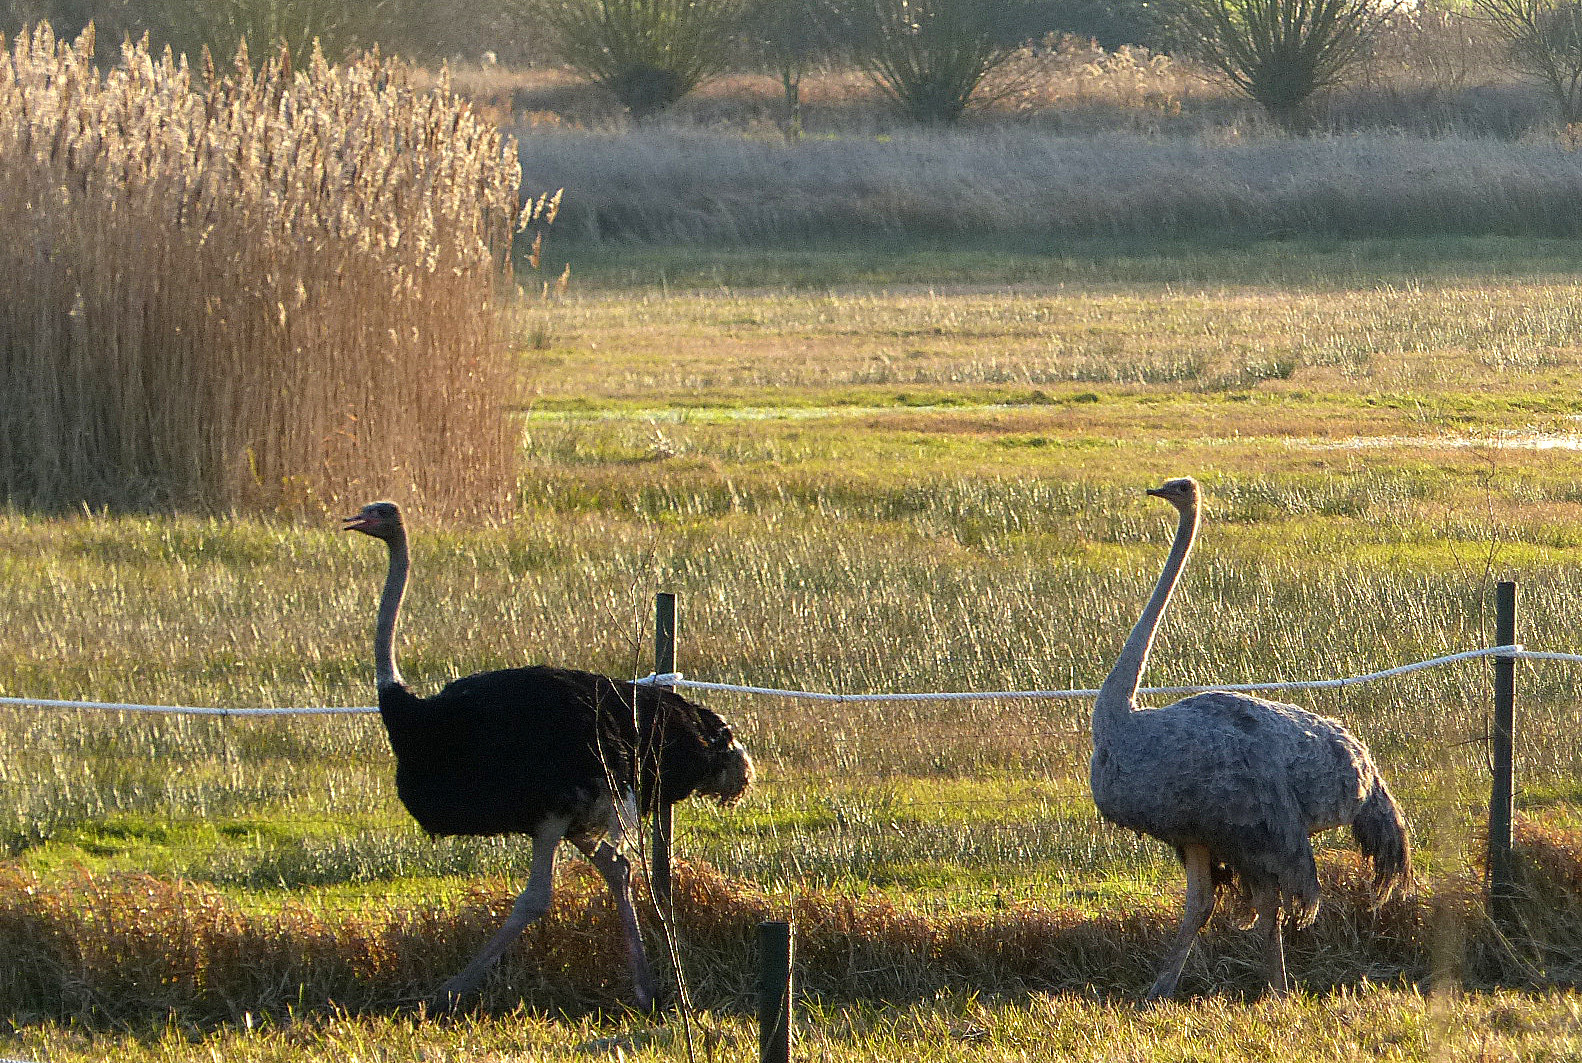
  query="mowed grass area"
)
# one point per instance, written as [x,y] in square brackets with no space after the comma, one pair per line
[856,478]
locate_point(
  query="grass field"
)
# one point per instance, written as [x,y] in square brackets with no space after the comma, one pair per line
[861,470]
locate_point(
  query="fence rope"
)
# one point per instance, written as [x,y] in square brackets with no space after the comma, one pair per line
[677,679]
[190,710]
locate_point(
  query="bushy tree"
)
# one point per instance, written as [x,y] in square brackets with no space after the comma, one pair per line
[1282,52]
[1545,42]
[932,56]
[649,53]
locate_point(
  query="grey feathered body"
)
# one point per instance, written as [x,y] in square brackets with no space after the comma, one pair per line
[1247,778]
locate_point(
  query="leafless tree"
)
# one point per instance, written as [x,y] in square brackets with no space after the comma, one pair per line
[1545,42]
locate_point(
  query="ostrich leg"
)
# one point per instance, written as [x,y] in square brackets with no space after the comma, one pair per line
[1199,906]
[1267,904]
[530,905]
[617,871]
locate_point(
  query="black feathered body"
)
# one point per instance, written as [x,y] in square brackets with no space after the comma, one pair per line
[499,752]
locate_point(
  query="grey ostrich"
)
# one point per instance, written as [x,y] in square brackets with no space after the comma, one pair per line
[552,753]
[1236,784]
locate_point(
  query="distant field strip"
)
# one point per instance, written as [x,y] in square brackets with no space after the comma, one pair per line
[671,186]
[676,679]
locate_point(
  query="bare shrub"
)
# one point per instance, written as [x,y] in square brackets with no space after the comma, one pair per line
[259,290]
[1281,52]
[1436,45]
[787,38]
[337,26]
[432,29]
[1069,74]
[931,56]
[648,53]
[1545,42]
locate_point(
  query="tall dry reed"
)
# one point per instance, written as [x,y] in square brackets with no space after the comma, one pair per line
[273,290]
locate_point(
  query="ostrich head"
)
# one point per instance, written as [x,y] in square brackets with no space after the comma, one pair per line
[730,769]
[382,520]
[1180,492]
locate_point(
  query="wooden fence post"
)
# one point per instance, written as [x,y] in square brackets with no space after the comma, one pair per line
[1502,739]
[664,664]
[776,953]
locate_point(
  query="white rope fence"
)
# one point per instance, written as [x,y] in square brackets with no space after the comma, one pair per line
[189,710]
[676,679]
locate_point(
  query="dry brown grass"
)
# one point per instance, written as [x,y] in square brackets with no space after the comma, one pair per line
[274,290]
[133,948]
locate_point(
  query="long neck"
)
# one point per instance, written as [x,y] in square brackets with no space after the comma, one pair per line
[1117,696]
[385,673]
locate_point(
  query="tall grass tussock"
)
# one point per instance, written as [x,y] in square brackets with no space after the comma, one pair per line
[270,290]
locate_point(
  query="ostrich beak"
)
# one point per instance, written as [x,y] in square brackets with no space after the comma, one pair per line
[357,523]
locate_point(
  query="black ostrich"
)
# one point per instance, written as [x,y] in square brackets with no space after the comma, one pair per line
[548,752]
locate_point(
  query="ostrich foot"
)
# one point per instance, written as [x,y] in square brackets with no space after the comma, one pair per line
[1157,995]
[450,997]
[1279,986]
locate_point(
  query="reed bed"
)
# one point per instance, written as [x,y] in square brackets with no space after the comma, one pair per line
[267,291]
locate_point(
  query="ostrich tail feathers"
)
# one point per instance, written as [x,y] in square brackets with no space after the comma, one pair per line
[1380,830]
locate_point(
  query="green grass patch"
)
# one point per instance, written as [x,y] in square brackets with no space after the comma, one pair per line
[1037,264]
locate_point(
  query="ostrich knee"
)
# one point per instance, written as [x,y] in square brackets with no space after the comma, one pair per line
[617,872]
